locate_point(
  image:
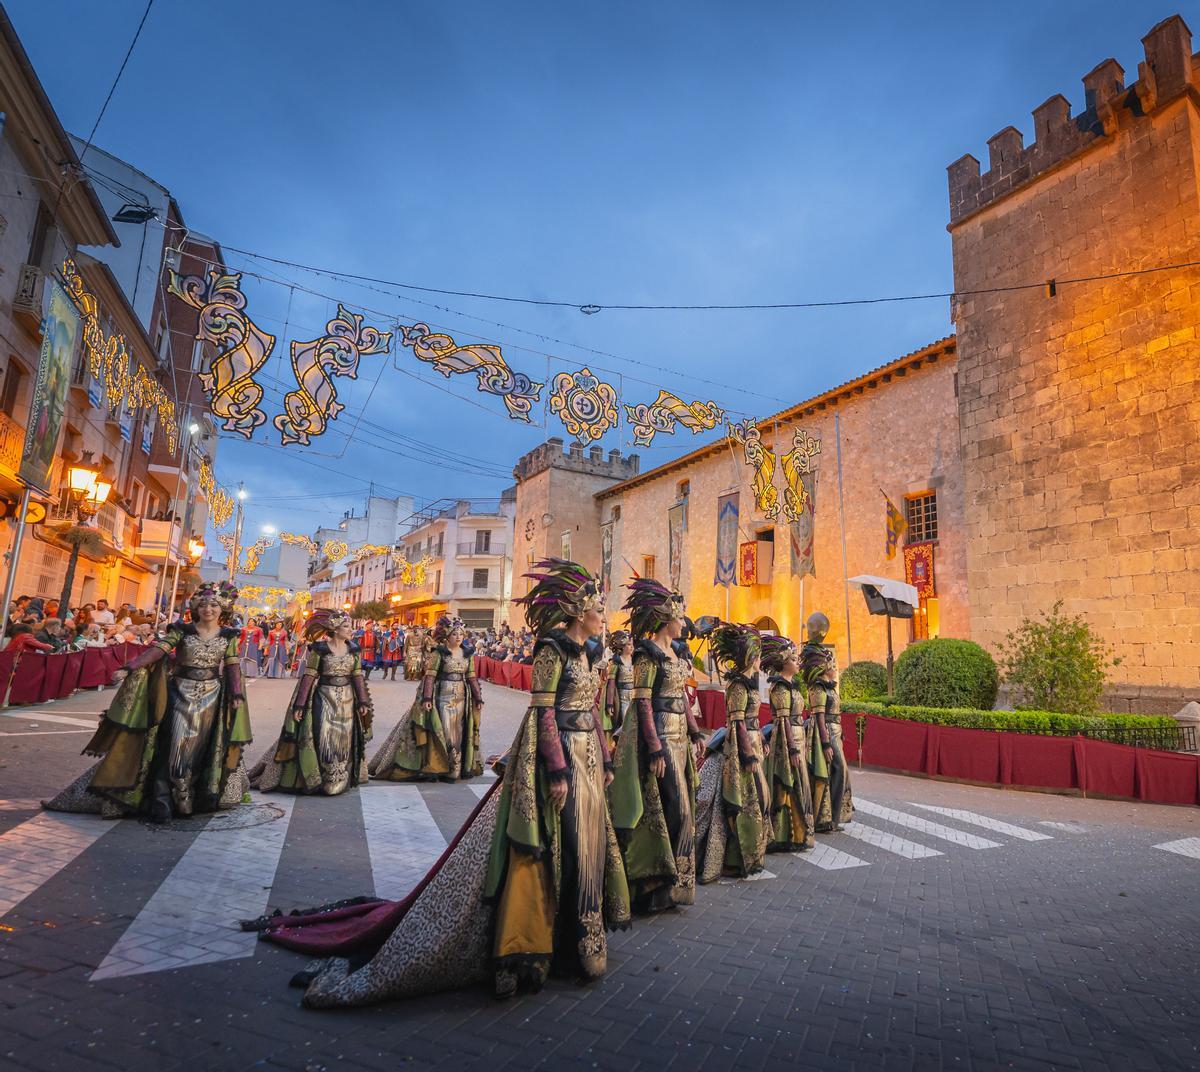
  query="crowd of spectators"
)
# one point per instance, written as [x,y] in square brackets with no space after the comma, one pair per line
[36,623]
[505,644]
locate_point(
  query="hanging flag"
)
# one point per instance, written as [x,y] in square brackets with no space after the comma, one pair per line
[727,533]
[606,555]
[676,527]
[895,527]
[918,568]
[803,530]
[748,563]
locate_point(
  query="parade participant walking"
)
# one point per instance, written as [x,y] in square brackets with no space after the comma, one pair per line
[391,646]
[791,806]
[175,731]
[414,652]
[731,828]
[439,737]
[328,722]
[834,802]
[368,642]
[653,795]
[618,685]
[277,651]
[533,879]
[250,651]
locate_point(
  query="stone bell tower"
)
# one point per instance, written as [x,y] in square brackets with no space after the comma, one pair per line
[1079,388]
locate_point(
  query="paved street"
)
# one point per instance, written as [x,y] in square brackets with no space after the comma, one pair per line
[949,926]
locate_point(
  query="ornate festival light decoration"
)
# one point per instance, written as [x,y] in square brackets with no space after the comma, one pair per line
[226,540]
[369,550]
[797,464]
[584,403]
[335,550]
[309,408]
[298,539]
[486,361]
[109,361]
[220,504]
[254,553]
[762,460]
[242,346]
[666,411]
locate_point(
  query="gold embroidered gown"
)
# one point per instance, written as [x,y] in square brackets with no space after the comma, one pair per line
[321,746]
[414,656]
[655,818]
[173,734]
[819,670]
[791,811]
[438,739]
[618,693]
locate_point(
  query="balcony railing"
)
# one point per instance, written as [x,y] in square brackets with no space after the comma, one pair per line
[474,550]
[27,302]
[12,442]
[467,590]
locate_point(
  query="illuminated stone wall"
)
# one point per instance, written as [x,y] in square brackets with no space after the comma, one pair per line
[1079,410]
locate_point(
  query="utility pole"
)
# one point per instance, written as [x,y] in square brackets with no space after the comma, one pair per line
[237,533]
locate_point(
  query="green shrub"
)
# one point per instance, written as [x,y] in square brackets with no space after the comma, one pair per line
[946,673]
[1047,723]
[864,680]
[1056,661]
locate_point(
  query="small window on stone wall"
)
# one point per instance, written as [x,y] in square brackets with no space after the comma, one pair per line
[648,567]
[920,511]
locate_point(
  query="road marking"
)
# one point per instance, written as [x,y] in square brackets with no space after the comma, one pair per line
[830,859]
[37,733]
[192,918]
[1188,846]
[481,789]
[42,716]
[924,826]
[403,838]
[881,839]
[1073,827]
[975,819]
[33,852]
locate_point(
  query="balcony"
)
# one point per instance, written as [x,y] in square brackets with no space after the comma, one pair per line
[12,442]
[467,590]
[472,549]
[113,524]
[27,302]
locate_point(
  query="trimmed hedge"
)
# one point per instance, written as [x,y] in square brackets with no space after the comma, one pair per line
[1046,723]
[864,680]
[946,673]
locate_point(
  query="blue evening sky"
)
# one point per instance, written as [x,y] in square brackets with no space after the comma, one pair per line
[616,152]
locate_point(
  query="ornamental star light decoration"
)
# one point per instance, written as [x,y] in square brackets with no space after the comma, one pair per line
[585,404]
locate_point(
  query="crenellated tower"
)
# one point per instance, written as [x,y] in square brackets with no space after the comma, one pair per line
[1079,368]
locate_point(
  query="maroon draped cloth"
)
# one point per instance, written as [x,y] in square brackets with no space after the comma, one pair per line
[362,927]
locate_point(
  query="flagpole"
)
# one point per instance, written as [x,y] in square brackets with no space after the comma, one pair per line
[837,432]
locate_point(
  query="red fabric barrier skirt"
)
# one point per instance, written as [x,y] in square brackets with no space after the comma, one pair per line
[712,708]
[72,668]
[889,742]
[1109,769]
[95,670]
[524,677]
[52,678]
[29,678]
[1167,777]
[1045,762]
[959,753]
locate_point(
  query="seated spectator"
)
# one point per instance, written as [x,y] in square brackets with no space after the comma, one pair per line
[24,640]
[93,637]
[51,634]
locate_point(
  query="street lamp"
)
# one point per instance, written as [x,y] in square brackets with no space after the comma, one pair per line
[196,549]
[89,492]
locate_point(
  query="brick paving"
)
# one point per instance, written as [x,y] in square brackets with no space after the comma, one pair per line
[960,928]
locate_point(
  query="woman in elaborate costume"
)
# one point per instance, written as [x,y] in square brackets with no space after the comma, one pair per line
[174,733]
[731,827]
[791,807]
[618,685]
[653,795]
[532,880]
[833,801]
[250,650]
[321,746]
[414,652]
[277,651]
[438,740]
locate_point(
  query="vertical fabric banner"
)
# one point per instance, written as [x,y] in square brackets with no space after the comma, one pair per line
[59,337]
[727,534]
[918,568]
[802,531]
[606,553]
[748,563]
[676,527]
[895,527]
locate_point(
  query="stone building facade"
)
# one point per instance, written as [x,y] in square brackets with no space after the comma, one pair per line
[899,436]
[1079,401]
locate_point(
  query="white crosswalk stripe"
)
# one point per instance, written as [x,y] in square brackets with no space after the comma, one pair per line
[1188,846]
[44,716]
[34,851]
[828,858]
[924,826]
[403,838]
[192,918]
[881,839]
[973,818]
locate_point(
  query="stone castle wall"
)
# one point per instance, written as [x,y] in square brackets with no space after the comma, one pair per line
[1078,403]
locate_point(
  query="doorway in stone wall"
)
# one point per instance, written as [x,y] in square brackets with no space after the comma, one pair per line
[767,624]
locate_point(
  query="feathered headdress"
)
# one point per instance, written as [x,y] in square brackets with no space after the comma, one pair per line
[617,640]
[735,647]
[776,650]
[445,626]
[223,594]
[324,622]
[562,592]
[651,605]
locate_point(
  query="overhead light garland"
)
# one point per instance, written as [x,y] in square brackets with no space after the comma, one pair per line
[762,459]
[220,505]
[369,550]
[298,539]
[666,411]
